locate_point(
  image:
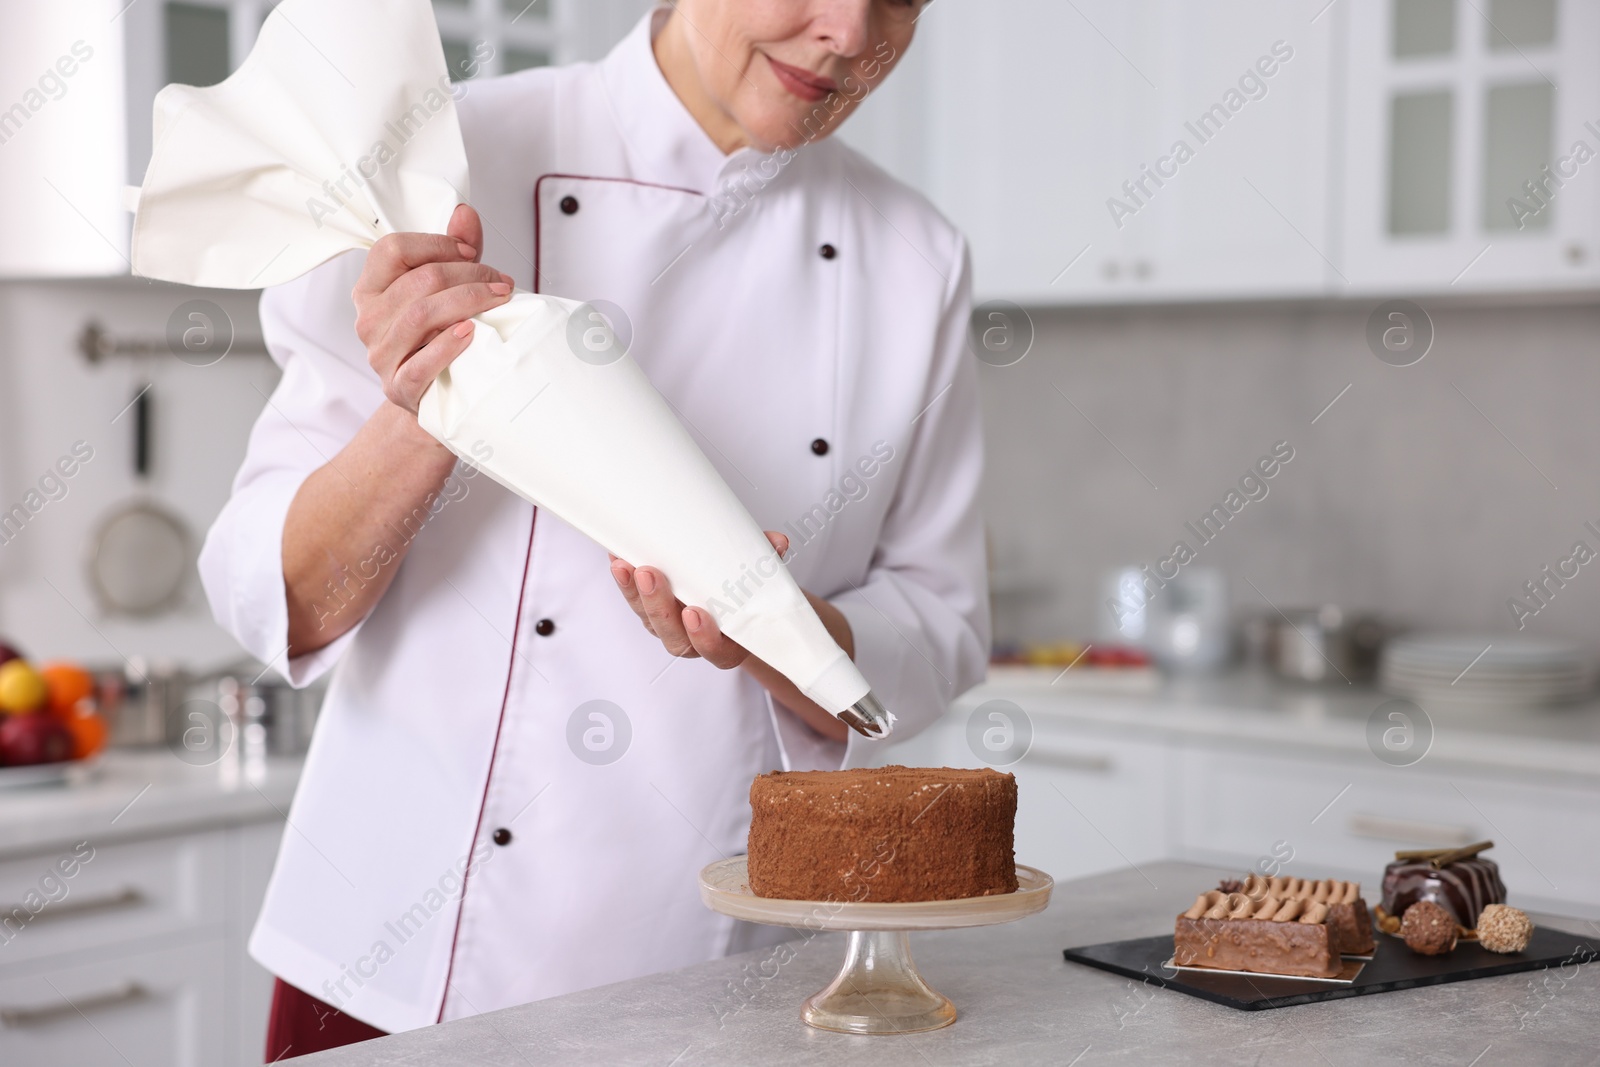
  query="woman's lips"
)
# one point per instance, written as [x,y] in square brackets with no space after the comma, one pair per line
[802,83]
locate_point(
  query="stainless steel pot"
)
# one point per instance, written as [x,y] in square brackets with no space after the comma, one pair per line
[1326,644]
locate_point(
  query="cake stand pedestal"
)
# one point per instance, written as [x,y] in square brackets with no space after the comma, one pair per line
[878,990]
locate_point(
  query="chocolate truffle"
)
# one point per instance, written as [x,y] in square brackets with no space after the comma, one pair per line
[1428,929]
[1504,929]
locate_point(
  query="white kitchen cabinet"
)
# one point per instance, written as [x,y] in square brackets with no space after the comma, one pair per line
[1087,801]
[1377,158]
[136,954]
[1472,154]
[162,1008]
[1121,150]
[1247,807]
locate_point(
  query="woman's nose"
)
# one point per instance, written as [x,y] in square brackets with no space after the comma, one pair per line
[843,24]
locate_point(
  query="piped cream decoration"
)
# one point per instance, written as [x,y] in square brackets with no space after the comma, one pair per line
[340,127]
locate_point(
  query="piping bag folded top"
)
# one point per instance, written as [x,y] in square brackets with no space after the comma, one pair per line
[340,127]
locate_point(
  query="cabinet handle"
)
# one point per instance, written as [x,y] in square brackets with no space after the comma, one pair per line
[1072,761]
[125,897]
[1382,828]
[122,994]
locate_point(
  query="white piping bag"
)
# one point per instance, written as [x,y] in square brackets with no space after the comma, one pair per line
[340,127]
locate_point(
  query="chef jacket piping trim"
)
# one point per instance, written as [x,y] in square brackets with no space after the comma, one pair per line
[494,753]
[538,223]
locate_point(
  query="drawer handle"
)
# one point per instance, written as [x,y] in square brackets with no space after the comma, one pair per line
[1425,833]
[1072,761]
[125,897]
[125,993]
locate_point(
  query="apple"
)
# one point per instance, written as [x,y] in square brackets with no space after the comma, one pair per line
[37,737]
[9,653]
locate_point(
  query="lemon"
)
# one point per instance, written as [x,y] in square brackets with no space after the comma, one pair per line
[21,688]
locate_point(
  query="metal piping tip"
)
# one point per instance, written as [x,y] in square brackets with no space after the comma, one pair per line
[869,718]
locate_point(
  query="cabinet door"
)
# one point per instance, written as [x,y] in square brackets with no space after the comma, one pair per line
[1471,153]
[1034,114]
[162,1009]
[253,849]
[1235,194]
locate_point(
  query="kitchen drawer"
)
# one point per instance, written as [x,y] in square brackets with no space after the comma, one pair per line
[161,1009]
[1351,816]
[97,895]
[1088,803]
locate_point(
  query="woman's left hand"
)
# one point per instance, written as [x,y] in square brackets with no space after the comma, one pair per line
[684,631]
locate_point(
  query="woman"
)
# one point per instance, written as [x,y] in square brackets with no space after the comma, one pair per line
[514,782]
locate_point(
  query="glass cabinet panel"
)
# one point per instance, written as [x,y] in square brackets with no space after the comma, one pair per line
[1517,123]
[196,38]
[1424,28]
[1521,24]
[1420,151]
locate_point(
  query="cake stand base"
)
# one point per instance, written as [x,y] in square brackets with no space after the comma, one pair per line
[878,991]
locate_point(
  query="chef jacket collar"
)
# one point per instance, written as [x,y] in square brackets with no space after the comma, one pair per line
[664,142]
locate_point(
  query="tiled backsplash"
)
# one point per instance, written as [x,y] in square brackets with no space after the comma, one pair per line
[1432,492]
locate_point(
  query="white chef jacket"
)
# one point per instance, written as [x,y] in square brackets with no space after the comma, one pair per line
[806,317]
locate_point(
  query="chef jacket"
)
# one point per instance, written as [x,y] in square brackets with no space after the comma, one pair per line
[512,785]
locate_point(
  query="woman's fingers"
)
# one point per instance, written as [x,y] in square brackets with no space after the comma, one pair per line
[709,641]
[662,611]
[466,227]
[396,253]
[406,386]
[779,541]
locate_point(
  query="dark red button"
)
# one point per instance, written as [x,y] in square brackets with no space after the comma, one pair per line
[502,836]
[569,205]
[828,251]
[544,627]
[820,447]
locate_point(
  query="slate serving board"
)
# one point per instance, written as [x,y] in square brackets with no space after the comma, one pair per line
[1393,967]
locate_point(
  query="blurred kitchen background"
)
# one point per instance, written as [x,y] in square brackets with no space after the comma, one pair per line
[1378,248]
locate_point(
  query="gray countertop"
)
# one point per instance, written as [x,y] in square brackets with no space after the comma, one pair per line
[142,793]
[1253,708]
[1020,1002]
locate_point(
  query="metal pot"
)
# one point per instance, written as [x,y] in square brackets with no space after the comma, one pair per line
[1326,644]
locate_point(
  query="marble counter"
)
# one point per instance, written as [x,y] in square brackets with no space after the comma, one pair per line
[141,793]
[1019,1003]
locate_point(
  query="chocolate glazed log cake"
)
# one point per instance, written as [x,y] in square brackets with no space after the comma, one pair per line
[888,834]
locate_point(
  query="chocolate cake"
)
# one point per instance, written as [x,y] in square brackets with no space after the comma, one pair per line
[889,834]
[1459,880]
[1231,932]
[1348,916]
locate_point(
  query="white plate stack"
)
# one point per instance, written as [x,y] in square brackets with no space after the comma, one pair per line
[1504,670]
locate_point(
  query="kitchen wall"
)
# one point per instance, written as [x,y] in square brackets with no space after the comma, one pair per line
[50,397]
[1402,497]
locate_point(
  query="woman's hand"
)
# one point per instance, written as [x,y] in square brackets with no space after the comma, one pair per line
[685,632]
[693,633]
[414,298]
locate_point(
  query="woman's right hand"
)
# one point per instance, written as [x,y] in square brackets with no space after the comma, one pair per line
[414,298]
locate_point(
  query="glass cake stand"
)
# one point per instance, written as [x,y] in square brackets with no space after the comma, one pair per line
[878,990]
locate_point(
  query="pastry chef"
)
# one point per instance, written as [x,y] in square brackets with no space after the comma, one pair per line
[528,750]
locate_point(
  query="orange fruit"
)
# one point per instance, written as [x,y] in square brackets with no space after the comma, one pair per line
[88,732]
[67,683]
[21,688]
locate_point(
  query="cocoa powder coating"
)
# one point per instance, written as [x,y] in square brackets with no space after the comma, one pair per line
[885,834]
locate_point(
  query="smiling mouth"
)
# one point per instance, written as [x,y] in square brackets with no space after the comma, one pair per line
[802,83]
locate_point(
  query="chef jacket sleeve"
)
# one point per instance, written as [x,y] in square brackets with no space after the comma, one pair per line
[921,618]
[327,391]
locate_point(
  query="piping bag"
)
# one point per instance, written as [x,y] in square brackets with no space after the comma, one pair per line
[340,127]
